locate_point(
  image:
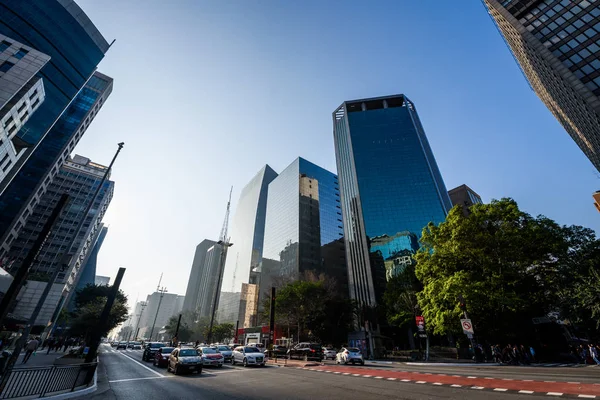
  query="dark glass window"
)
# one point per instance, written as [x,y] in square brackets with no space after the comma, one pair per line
[20,54]
[4,45]
[6,65]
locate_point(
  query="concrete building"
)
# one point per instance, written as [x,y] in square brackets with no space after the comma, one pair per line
[390,187]
[87,274]
[244,257]
[79,177]
[159,308]
[465,197]
[21,94]
[193,287]
[557,45]
[102,280]
[208,283]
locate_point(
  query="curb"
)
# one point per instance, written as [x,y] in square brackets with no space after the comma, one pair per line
[454,364]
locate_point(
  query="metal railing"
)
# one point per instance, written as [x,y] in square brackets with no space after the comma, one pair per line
[45,381]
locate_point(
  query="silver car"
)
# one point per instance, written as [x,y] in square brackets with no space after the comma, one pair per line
[349,354]
[329,352]
[225,350]
[248,355]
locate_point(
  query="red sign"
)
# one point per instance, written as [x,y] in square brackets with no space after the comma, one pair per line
[420,322]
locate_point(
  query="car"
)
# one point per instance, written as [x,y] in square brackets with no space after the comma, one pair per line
[279,351]
[210,356]
[161,357]
[232,346]
[114,344]
[329,352]
[349,354]
[134,345]
[226,351]
[122,345]
[248,355]
[306,351]
[150,350]
[184,360]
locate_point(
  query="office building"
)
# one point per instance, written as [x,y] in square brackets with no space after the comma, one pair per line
[193,286]
[21,94]
[79,177]
[61,30]
[557,45]
[209,283]
[87,274]
[391,188]
[465,197]
[102,280]
[244,257]
[303,228]
[159,308]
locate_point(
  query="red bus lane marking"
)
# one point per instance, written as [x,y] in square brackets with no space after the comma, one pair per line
[490,383]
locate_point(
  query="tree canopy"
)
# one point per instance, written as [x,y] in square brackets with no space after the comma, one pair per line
[89,303]
[509,267]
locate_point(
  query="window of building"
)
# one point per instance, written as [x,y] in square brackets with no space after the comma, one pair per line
[6,65]
[575,58]
[20,54]
[4,45]
[35,103]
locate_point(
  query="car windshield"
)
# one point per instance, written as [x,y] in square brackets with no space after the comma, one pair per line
[251,350]
[188,353]
[166,350]
[353,350]
[208,350]
[224,348]
[156,345]
[315,346]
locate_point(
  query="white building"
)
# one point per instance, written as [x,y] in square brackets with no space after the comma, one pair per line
[160,307]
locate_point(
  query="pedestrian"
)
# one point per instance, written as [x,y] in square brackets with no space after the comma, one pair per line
[532,352]
[594,354]
[50,345]
[30,347]
[66,346]
[583,354]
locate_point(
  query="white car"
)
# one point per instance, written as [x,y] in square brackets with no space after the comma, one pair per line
[248,355]
[210,356]
[329,352]
[349,354]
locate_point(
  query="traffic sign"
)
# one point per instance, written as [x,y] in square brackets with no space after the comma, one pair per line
[467,326]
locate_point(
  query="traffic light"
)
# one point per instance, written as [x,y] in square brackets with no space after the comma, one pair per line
[462,303]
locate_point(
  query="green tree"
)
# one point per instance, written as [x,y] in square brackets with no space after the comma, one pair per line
[89,303]
[506,264]
[185,332]
[224,331]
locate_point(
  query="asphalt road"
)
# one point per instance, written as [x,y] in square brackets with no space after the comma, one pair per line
[124,376]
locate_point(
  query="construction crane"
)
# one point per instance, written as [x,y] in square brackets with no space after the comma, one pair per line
[225,244]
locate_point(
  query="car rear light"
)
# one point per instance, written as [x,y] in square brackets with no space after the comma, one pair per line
[312,350]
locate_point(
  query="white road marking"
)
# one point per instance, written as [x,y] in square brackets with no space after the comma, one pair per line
[336,372]
[346,373]
[404,380]
[477,387]
[143,366]
[527,380]
[379,377]
[437,383]
[488,378]
[526,391]
[507,379]
[587,396]
[500,390]
[550,381]
[420,382]
[575,383]
[391,379]
[139,379]
[355,374]
[367,376]
[455,385]
[554,394]
[471,377]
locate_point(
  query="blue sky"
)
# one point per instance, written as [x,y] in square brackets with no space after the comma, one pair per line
[206,92]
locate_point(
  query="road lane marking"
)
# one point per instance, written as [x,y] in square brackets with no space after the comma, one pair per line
[477,387]
[142,365]
[346,373]
[554,394]
[336,372]
[139,379]
[587,396]
[437,383]
[526,391]
[455,385]
[500,390]
[420,382]
[379,377]
[367,376]
[355,374]
[507,379]
[391,379]
[471,377]
[575,383]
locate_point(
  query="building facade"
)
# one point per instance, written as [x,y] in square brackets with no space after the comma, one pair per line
[87,275]
[244,257]
[79,178]
[391,188]
[303,229]
[465,197]
[557,45]
[21,94]
[73,94]
[159,308]
[193,287]
[102,280]
[209,283]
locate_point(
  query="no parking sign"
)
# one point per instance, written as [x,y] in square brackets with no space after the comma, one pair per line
[467,326]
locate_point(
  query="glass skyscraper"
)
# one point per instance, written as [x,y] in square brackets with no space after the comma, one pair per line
[557,45]
[303,229]
[60,29]
[238,286]
[391,188]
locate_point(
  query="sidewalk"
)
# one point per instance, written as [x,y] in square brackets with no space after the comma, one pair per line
[40,359]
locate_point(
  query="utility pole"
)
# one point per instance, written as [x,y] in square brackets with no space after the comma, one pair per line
[272,319]
[162,292]
[225,245]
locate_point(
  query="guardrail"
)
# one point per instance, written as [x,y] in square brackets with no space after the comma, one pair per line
[45,381]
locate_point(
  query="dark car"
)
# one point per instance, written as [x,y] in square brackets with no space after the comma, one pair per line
[161,358]
[150,350]
[279,351]
[306,351]
[184,360]
[122,345]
